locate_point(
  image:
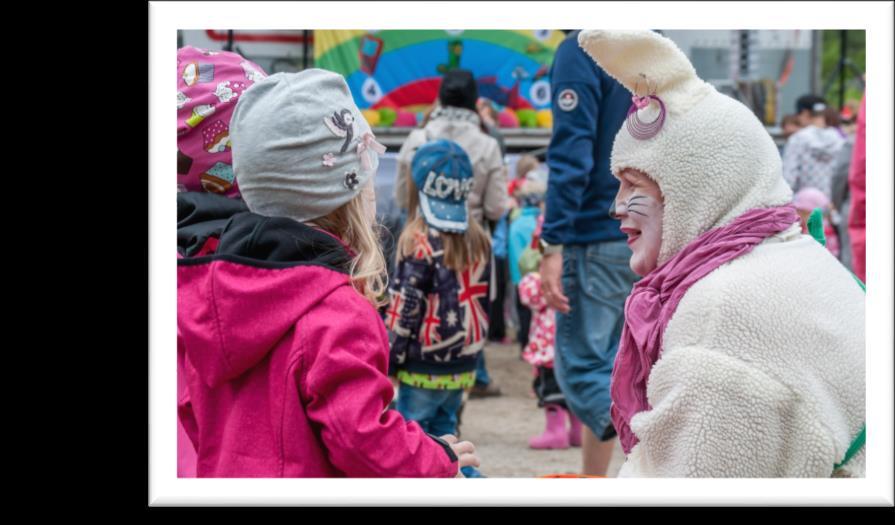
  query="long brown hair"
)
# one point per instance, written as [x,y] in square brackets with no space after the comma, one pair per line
[460,249]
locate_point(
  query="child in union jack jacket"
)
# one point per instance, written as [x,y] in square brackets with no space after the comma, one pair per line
[438,314]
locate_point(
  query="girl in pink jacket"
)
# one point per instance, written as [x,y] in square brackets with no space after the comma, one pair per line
[208,85]
[283,353]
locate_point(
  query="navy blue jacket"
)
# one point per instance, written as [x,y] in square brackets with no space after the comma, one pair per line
[437,319]
[589,107]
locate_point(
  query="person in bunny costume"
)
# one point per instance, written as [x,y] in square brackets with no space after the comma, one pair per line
[742,353]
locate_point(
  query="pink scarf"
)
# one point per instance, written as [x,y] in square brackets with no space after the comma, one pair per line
[655,298]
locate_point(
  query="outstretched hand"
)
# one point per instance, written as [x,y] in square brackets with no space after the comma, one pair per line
[465,452]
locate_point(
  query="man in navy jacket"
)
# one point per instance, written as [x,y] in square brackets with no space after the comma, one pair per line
[585,270]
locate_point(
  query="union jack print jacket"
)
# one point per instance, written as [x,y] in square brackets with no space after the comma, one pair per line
[437,318]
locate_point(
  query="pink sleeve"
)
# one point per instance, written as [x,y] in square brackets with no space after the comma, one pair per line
[186,454]
[186,440]
[857,189]
[346,392]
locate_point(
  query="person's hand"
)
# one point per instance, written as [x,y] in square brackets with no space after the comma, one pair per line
[465,452]
[551,282]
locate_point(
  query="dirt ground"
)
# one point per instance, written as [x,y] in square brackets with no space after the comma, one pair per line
[501,426]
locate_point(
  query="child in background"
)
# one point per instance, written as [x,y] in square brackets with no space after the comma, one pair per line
[540,352]
[805,201]
[208,83]
[499,314]
[526,166]
[530,196]
[278,337]
[437,319]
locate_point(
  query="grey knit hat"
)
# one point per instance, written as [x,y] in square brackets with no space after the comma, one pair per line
[301,147]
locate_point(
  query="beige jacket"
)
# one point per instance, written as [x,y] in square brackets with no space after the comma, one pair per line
[488,198]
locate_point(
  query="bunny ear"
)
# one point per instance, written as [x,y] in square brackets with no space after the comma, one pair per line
[629,56]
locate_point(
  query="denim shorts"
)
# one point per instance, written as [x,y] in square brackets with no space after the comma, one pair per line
[597,279]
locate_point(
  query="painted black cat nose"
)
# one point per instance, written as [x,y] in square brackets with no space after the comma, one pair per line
[612,213]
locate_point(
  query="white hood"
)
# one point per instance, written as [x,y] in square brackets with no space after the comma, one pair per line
[713,160]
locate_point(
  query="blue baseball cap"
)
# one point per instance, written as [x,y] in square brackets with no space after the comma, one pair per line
[442,173]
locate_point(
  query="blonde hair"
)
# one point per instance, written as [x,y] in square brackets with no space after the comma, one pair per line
[460,249]
[367,272]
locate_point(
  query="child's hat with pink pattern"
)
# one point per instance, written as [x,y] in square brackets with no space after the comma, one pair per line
[209,83]
[809,198]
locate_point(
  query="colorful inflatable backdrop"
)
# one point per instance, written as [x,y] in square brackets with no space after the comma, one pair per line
[402,69]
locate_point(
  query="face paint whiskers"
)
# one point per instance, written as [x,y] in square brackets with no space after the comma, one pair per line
[630,203]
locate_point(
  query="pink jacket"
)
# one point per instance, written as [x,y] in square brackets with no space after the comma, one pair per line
[856,183]
[186,452]
[285,363]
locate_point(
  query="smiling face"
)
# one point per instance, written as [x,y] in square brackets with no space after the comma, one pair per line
[639,206]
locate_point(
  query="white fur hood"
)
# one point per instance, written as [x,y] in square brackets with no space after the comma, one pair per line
[713,159]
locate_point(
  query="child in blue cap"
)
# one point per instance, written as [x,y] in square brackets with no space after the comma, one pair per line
[438,312]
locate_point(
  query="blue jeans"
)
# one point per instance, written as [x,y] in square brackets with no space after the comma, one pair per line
[481,373]
[597,280]
[435,411]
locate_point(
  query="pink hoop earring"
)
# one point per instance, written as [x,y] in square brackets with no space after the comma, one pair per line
[637,128]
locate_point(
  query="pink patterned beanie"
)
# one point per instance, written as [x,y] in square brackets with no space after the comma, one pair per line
[209,83]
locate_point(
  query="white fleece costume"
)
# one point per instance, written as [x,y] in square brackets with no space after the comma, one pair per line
[762,368]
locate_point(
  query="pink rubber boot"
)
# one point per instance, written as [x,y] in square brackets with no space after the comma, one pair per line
[574,430]
[555,435]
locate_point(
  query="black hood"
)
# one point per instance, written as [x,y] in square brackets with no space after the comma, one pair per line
[200,216]
[252,239]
